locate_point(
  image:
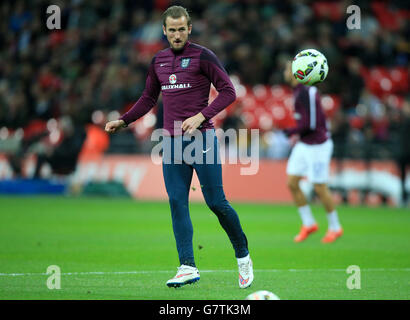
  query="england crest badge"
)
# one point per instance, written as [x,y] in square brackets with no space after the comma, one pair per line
[185,62]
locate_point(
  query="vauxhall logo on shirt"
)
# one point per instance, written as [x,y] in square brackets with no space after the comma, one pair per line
[173,84]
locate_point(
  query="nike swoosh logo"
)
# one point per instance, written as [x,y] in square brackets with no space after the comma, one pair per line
[163,64]
[184,274]
[205,151]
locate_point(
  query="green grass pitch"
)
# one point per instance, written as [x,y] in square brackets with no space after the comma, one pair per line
[125,249]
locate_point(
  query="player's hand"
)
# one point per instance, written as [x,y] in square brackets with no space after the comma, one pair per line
[293,139]
[114,126]
[192,123]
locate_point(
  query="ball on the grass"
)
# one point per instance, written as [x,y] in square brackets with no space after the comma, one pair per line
[262,295]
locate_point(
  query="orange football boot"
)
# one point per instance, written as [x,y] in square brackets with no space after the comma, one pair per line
[331,236]
[305,232]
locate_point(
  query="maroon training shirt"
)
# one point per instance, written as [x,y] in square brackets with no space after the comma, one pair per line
[309,116]
[184,78]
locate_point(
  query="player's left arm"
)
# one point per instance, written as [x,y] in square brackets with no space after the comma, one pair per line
[212,68]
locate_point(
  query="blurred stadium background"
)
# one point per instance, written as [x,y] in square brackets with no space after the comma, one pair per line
[59,87]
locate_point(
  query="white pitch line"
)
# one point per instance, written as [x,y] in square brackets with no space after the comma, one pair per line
[202,271]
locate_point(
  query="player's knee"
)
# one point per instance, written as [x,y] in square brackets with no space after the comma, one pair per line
[215,206]
[176,202]
[219,206]
[321,189]
[293,183]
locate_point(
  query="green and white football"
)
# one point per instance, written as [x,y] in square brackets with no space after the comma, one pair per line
[310,67]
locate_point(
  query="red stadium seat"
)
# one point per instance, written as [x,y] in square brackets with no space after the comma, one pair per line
[395,101]
[49,80]
[399,77]
[356,122]
[330,104]
[365,72]
[34,128]
[249,119]
[332,10]
[388,19]
[279,92]
[282,116]
[261,92]
[248,102]
[278,112]
[265,121]
[56,38]
[379,82]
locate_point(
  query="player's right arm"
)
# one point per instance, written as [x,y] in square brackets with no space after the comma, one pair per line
[144,104]
[114,126]
[302,115]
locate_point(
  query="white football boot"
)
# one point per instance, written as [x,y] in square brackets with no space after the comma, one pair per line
[245,272]
[185,275]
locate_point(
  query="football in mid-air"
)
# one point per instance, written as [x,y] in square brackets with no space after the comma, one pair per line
[310,67]
[262,295]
